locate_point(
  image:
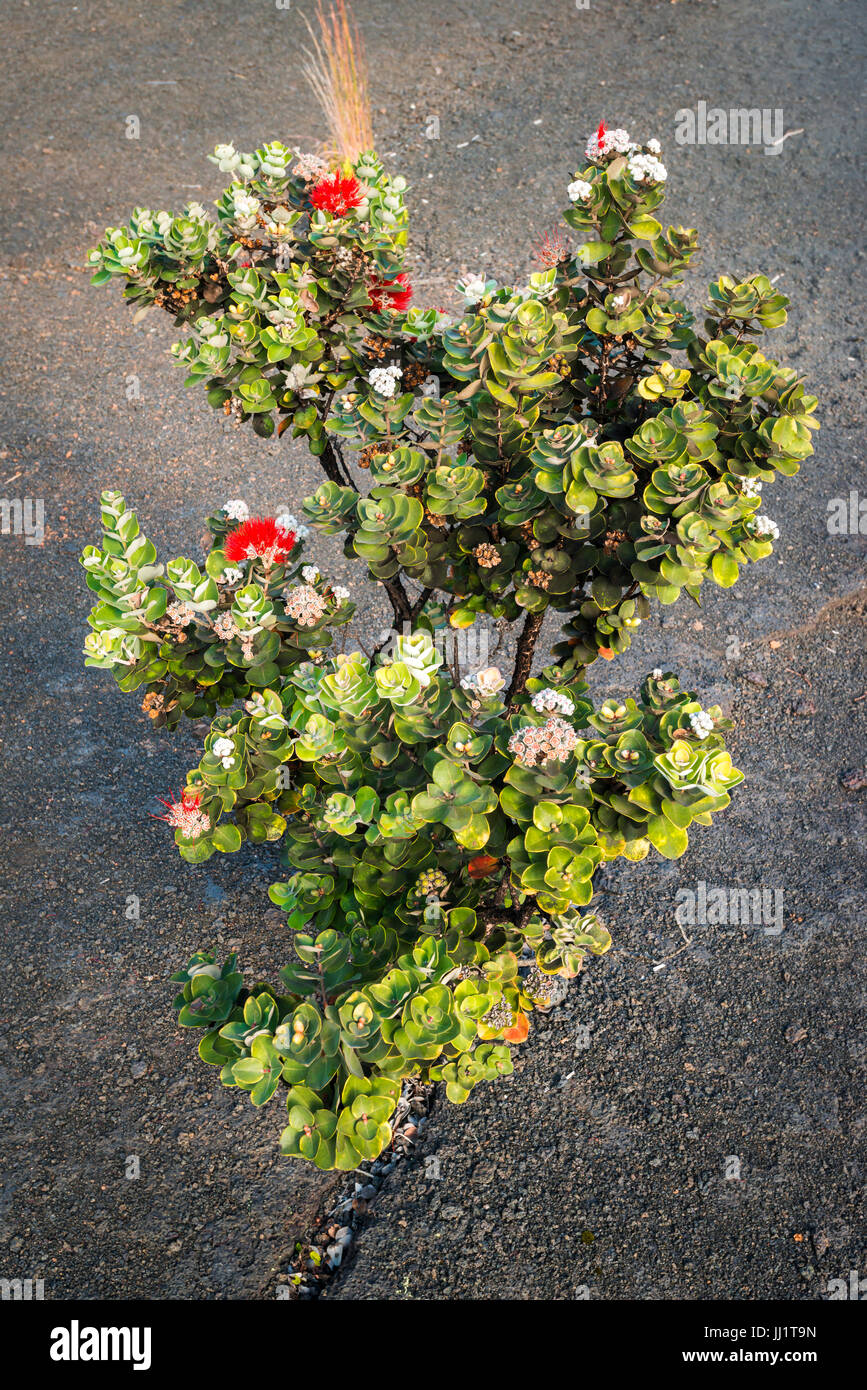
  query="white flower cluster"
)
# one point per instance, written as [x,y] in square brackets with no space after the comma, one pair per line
[763,526]
[473,288]
[237,509]
[384,379]
[339,593]
[231,575]
[579,190]
[287,522]
[750,487]
[702,724]
[548,700]
[647,168]
[613,141]
[224,749]
[310,574]
[656,673]
[643,167]
[486,682]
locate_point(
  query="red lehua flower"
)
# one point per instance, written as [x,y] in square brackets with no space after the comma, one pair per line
[336,193]
[390,296]
[552,248]
[260,538]
[186,815]
[191,800]
[600,133]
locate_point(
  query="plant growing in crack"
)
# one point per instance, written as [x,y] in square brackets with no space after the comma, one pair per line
[575,446]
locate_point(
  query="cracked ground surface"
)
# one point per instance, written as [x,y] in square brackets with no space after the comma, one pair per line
[600,1167]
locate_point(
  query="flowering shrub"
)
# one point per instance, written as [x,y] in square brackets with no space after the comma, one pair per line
[575,444]
[199,640]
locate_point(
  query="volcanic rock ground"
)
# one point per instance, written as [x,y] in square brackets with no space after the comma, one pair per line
[599,1169]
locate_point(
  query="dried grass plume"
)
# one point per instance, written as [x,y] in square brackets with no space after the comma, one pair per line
[336,71]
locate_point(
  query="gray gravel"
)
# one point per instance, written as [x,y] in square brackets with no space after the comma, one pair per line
[599,1168]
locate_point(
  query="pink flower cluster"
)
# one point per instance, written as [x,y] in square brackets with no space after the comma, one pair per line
[181,613]
[310,167]
[225,627]
[554,739]
[305,605]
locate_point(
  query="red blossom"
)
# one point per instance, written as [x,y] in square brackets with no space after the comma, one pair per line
[390,295]
[186,815]
[600,133]
[191,800]
[552,249]
[259,538]
[336,193]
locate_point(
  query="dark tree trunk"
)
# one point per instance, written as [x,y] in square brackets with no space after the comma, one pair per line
[524,657]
